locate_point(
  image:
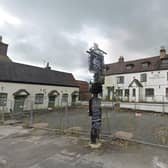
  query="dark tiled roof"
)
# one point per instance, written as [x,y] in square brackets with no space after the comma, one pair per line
[3,48]
[121,67]
[4,58]
[137,82]
[20,73]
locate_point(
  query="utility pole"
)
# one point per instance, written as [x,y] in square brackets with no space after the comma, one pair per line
[97,67]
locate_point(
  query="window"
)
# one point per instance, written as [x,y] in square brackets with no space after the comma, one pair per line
[166,92]
[145,65]
[134,92]
[119,92]
[120,79]
[3,99]
[149,92]
[129,66]
[109,89]
[164,63]
[143,77]
[126,92]
[39,98]
[65,98]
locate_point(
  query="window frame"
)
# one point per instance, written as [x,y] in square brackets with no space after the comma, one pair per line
[143,77]
[145,65]
[65,96]
[149,94]
[126,92]
[129,66]
[119,92]
[3,100]
[166,89]
[120,79]
[38,99]
[164,63]
[133,92]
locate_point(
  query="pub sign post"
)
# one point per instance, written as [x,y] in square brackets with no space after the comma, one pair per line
[96,66]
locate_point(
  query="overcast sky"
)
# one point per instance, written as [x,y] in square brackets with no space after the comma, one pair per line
[60,31]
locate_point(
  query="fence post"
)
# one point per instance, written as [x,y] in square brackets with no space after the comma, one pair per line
[62,119]
[113,104]
[135,106]
[31,115]
[2,115]
[66,117]
[163,106]
[108,123]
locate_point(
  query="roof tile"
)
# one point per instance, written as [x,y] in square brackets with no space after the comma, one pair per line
[21,73]
[120,67]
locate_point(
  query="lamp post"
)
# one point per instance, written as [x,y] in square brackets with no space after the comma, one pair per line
[97,67]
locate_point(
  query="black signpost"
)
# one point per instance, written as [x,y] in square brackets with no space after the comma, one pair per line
[96,66]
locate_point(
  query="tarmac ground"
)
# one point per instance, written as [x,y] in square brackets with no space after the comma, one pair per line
[34,148]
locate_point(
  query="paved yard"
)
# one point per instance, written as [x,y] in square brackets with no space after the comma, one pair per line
[39,149]
[149,127]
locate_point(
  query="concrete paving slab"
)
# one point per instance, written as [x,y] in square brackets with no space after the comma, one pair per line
[51,151]
[6,131]
[123,135]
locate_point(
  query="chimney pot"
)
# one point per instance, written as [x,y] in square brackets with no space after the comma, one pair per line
[121,59]
[3,48]
[48,66]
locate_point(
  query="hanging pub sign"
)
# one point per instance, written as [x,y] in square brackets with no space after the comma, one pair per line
[96,62]
[96,59]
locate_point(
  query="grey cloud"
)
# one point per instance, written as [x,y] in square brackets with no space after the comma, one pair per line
[145,22]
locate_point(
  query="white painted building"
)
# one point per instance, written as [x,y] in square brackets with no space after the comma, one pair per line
[25,87]
[143,80]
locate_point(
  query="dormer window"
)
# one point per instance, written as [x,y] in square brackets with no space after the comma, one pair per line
[129,66]
[145,64]
[164,63]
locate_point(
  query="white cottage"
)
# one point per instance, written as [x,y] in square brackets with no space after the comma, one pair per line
[141,80]
[23,87]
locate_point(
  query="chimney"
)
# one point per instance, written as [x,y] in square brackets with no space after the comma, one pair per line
[162,52]
[48,66]
[121,59]
[3,48]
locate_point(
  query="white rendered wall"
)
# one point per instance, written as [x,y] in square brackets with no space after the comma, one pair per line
[34,89]
[155,79]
